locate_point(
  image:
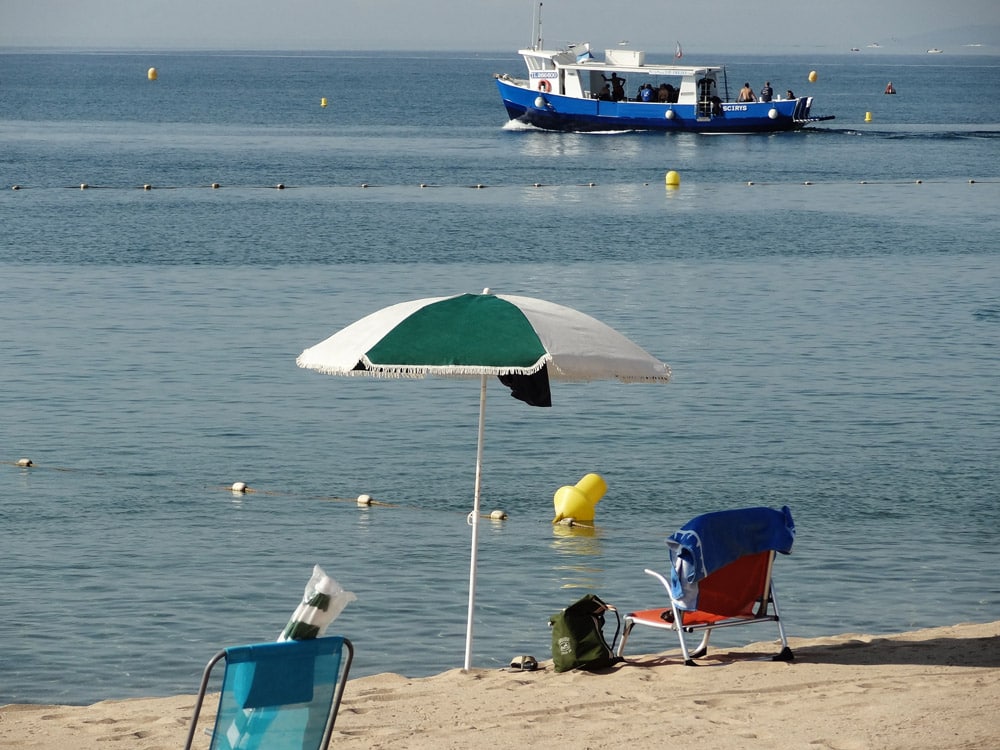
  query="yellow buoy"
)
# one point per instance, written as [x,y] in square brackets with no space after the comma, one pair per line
[673,179]
[812,76]
[322,102]
[578,502]
[151,74]
[868,116]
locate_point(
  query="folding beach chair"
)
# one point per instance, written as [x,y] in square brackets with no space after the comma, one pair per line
[720,577]
[280,695]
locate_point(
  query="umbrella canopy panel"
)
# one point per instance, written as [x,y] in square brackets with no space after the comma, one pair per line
[472,331]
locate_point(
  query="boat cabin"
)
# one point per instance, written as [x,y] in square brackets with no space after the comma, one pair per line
[622,76]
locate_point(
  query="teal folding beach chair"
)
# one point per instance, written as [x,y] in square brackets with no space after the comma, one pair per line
[280,695]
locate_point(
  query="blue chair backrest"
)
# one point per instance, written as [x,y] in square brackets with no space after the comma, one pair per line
[712,541]
[281,695]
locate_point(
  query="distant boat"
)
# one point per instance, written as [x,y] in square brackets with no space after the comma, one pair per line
[934,51]
[678,53]
[874,45]
[571,90]
[855,49]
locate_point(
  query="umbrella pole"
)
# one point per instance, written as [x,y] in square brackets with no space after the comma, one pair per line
[474,521]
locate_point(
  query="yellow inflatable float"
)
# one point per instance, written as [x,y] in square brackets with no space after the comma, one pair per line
[578,502]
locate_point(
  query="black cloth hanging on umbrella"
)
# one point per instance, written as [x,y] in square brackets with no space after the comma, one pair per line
[531,389]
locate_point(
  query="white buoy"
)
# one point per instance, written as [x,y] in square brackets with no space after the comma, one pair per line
[540,102]
[365,500]
[239,487]
[772,113]
[498,515]
[669,114]
[25,462]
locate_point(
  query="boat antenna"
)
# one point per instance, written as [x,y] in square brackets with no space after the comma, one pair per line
[536,30]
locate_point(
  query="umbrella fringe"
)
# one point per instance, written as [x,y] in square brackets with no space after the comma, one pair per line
[662,379]
[368,370]
[372,369]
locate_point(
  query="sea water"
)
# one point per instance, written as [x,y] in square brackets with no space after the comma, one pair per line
[829,301]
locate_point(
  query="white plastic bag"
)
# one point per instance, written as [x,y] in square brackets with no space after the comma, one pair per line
[322,601]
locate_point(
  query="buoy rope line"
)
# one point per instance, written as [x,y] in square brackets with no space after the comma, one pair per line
[478,186]
[362,501]
[242,488]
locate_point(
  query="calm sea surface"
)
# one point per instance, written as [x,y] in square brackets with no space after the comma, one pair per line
[833,328]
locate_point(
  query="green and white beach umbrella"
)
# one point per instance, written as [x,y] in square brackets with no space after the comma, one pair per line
[526,342]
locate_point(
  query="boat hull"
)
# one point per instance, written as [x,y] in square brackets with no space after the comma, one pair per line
[566,113]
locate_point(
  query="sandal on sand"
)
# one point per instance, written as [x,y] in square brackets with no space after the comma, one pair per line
[524,664]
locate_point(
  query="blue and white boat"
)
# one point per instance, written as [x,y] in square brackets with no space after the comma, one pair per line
[571,90]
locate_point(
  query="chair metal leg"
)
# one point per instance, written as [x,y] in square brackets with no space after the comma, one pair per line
[626,630]
[199,701]
[786,652]
[702,647]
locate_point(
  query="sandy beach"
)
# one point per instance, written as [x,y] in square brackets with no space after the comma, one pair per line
[935,688]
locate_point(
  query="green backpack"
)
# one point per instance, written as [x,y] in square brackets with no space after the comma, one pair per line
[578,636]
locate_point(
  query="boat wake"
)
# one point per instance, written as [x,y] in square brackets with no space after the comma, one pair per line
[949,132]
[521,127]
[517,125]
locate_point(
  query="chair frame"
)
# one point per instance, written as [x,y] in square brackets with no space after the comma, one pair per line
[697,620]
[338,693]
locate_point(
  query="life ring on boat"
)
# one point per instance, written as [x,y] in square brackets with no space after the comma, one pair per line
[544,86]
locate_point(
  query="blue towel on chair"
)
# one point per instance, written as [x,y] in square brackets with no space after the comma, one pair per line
[713,540]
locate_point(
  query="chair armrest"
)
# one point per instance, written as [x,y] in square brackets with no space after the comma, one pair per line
[660,577]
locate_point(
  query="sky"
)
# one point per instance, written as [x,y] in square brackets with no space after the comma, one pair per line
[760,26]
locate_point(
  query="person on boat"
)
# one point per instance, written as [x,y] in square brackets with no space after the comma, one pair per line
[889,88]
[605,93]
[617,86]
[666,94]
[789,94]
[647,94]
[766,93]
[746,94]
